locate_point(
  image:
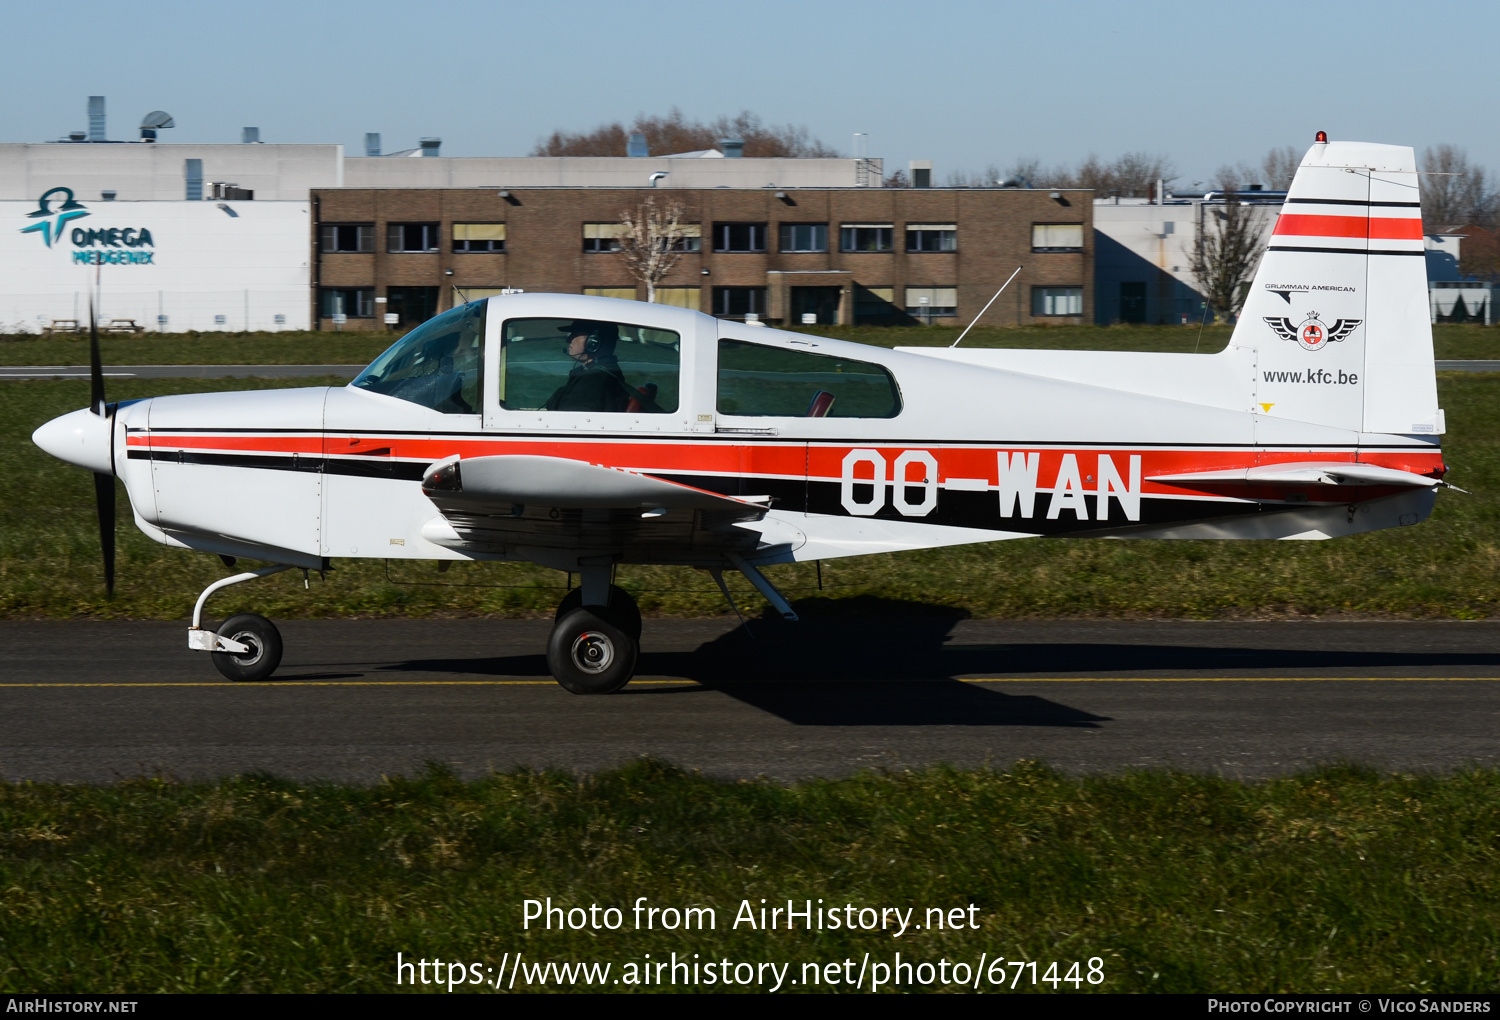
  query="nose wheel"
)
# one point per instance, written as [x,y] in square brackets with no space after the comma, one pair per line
[262,642]
[593,649]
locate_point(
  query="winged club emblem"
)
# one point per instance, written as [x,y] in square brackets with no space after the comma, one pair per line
[1312,334]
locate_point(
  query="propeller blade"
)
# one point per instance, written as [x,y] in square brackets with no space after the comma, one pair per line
[96,366]
[104,499]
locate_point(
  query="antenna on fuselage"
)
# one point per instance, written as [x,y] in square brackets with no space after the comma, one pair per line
[986,307]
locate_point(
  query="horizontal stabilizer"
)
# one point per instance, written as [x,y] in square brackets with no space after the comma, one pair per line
[1300,474]
[527,480]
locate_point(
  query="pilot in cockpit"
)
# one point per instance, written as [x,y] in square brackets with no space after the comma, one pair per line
[595,383]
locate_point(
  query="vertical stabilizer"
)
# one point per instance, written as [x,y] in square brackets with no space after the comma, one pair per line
[1338,314]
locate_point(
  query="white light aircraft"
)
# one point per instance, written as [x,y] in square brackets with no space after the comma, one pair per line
[582,432]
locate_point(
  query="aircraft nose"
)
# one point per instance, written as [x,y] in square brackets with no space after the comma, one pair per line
[79,437]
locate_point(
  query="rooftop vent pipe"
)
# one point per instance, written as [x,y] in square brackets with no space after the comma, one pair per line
[430,146]
[733,148]
[96,118]
[372,143]
[153,122]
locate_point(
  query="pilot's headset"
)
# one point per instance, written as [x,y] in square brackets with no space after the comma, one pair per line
[601,339]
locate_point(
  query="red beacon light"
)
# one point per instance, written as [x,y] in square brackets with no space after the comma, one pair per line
[1322,136]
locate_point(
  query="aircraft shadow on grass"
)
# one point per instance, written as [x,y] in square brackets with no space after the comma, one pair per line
[884,662]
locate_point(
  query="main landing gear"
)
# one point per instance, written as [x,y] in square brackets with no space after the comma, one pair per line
[593,647]
[597,637]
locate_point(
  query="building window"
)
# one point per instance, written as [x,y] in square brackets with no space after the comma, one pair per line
[1056,301]
[1057,237]
[348,237]
[680,297]
[739,237]
[866,237]
[354,302]
[739,302]
[469,237]
[601,237]
[624,293]
[804,237]
[688,237]
[926,302]
[875,305]
[407,237]
[932,237]
[757,379]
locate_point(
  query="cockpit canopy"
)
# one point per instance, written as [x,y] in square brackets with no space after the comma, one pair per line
[437,365]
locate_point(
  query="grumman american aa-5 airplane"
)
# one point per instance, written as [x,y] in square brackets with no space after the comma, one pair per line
[581,432]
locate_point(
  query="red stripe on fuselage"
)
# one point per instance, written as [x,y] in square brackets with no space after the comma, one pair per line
[817,462]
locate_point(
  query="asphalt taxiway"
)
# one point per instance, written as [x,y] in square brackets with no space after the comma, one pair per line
[353,700]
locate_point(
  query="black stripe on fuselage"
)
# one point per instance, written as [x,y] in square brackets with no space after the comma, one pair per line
[400,470]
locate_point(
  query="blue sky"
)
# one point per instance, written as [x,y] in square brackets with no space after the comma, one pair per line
[964,84]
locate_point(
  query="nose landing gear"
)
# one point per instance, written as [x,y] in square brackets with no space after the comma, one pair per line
[262,642]
[247,647]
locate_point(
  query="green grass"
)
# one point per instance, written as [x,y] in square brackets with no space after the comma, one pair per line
[292,348]
[357,347]
[1446,568]
[1339,880]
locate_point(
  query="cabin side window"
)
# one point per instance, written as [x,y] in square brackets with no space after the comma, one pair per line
[759,380]
[588,365]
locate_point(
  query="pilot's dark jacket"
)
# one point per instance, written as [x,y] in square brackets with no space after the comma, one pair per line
[597,386]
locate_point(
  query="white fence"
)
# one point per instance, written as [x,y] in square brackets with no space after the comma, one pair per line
[162,311]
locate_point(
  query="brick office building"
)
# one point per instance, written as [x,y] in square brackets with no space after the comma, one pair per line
[841,255]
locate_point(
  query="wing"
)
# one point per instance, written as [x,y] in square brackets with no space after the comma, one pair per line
[1342,328]
[1283,327]
[497,504]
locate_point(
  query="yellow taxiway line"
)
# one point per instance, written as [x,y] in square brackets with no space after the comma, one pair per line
[662,683]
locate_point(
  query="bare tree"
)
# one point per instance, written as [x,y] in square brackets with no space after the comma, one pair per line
[1226,251]
[986,178]
[1133,175]
[1455,193]
[675,133]
[1280,166]
[652,243]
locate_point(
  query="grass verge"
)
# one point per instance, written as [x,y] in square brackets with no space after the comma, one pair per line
[49,558]
[359,348]
[1338,880]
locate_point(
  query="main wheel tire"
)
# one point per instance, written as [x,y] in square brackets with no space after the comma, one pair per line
[265,647]
[622,610]
[589,654]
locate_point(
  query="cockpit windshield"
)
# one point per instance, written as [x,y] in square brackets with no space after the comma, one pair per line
[437,365]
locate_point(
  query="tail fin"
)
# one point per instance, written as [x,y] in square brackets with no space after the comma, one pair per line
[1338,313]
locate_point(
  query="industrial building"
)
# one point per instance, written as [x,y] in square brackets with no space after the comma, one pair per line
[388,257]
